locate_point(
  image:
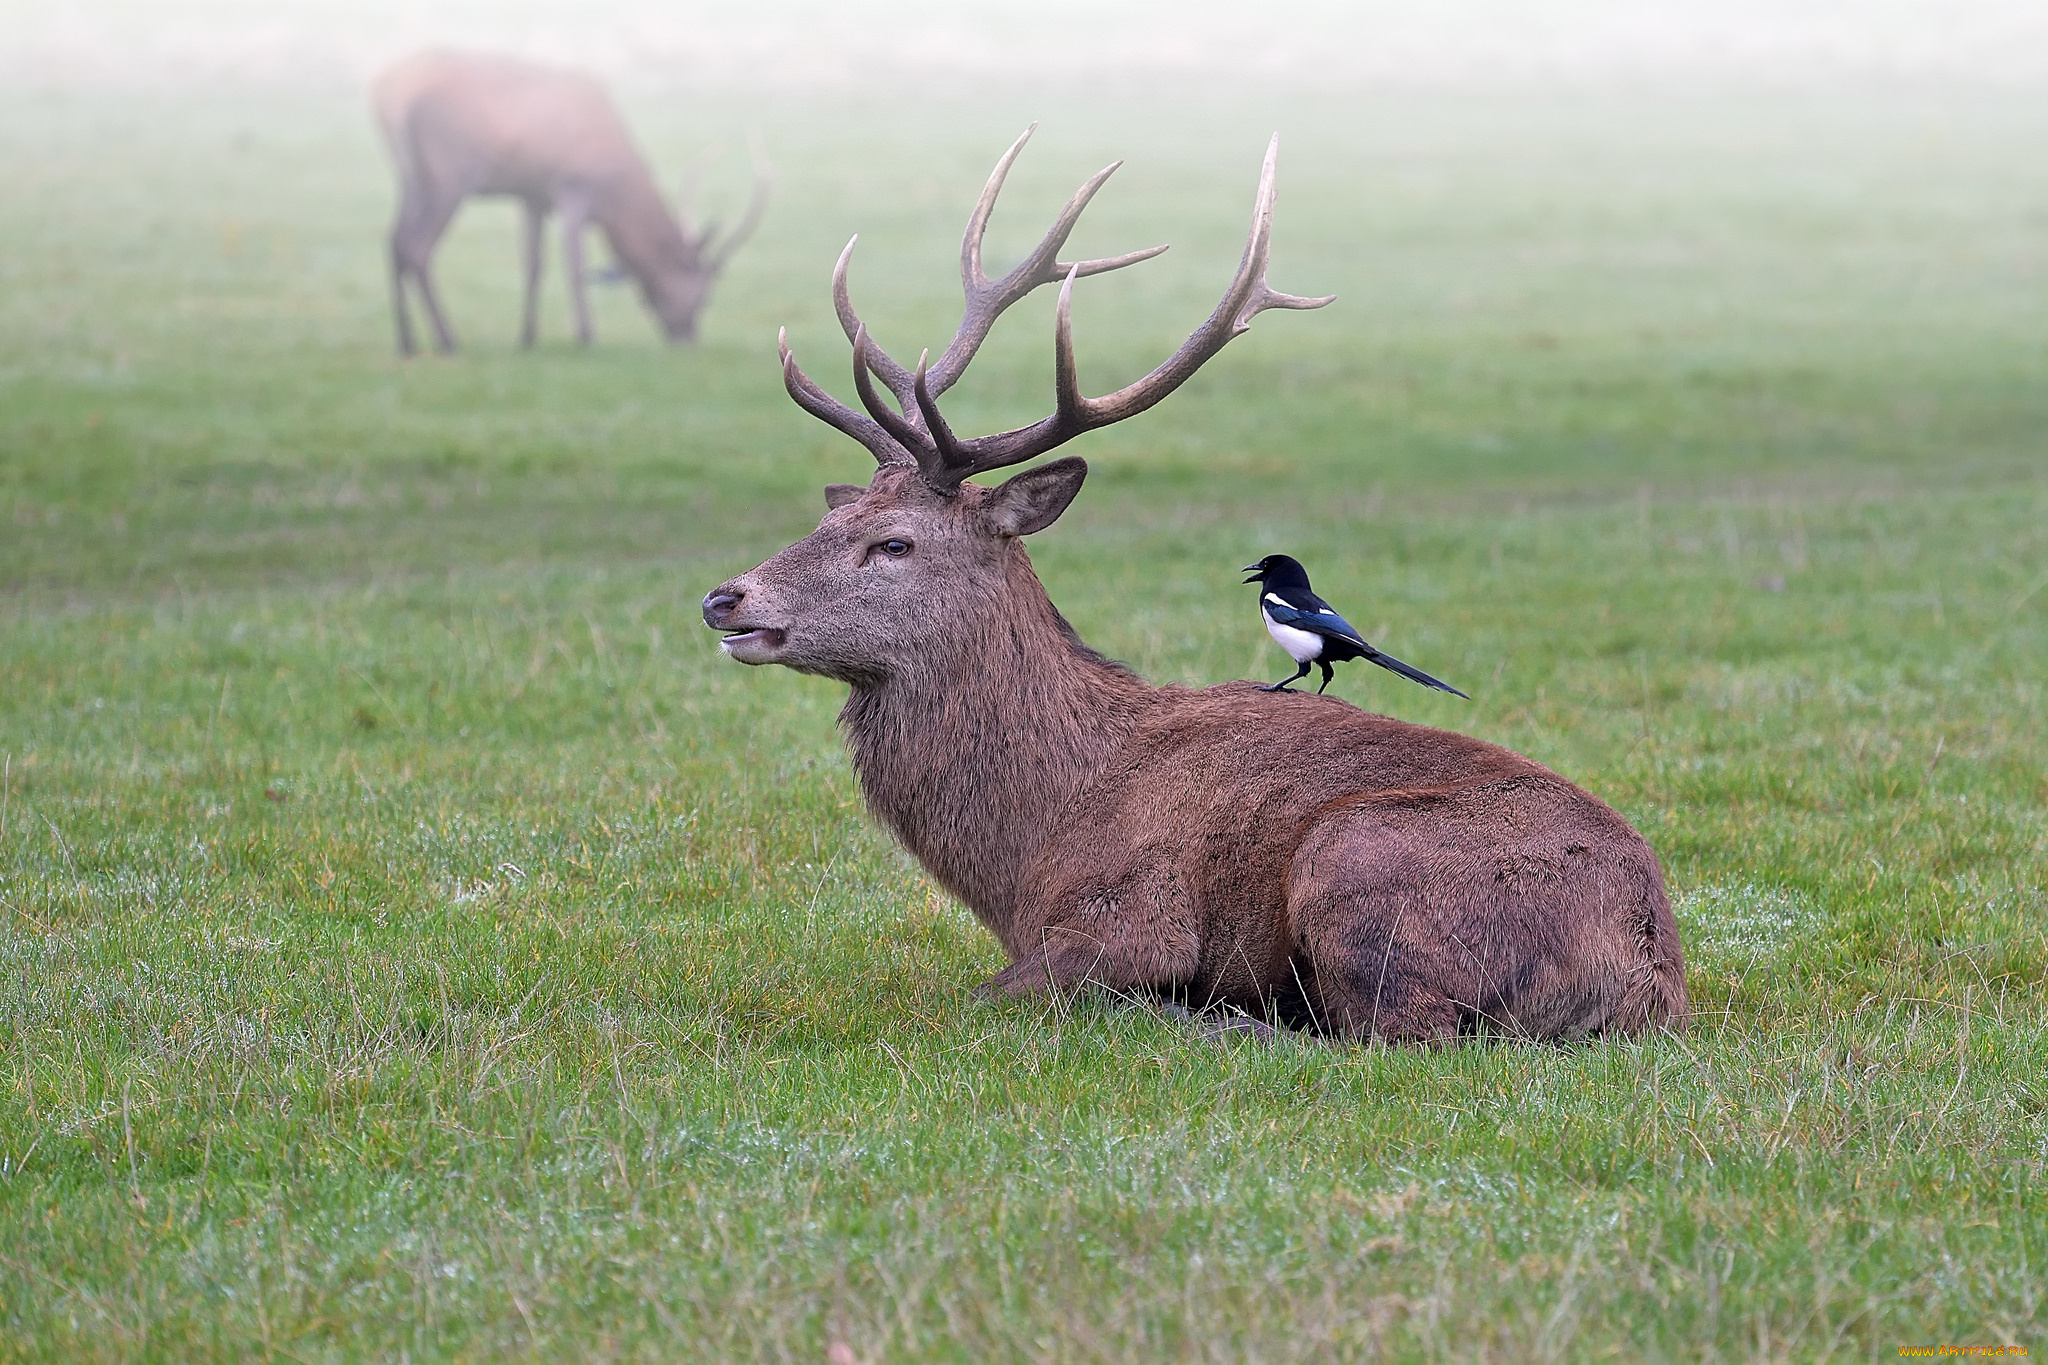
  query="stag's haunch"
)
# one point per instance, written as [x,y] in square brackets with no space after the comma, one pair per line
[1288,854]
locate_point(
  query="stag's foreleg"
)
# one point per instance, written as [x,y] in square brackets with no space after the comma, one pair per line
[1137,936]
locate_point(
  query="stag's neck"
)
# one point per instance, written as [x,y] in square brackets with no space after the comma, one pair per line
[640,228]
[972,760]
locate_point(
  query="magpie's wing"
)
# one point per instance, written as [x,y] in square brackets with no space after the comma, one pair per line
[1306,611]
[1394,665]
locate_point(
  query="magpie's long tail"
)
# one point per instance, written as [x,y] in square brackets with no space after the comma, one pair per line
[1394,665]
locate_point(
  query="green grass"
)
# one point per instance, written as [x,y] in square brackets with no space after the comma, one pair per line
[418,943]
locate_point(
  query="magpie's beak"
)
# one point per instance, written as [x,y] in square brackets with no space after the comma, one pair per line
[1257,573]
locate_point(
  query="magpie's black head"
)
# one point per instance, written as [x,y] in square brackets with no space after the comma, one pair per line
[1281,571]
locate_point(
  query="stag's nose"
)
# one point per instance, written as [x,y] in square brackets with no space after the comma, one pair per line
[719,605]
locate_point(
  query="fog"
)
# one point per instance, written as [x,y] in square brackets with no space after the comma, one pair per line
[824,44]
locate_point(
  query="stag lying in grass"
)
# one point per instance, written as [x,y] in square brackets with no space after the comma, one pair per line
[1290,855]
[462,124]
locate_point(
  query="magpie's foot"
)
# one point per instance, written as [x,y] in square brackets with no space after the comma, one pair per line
[1277,687]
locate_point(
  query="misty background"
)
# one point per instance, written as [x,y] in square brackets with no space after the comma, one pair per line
[421,942]
[820,43]
[1799,203]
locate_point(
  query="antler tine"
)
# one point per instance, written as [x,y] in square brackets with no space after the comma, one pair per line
[918,434]
[945,446]
[757,208]
[902,429]
[1104,264]
[1247,297]
[686,196]
[985,298]
[1066,381]
[1264,296]
[829,410]
[971,278]
[892,373]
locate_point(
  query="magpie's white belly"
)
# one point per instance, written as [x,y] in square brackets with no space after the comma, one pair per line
[1301,645]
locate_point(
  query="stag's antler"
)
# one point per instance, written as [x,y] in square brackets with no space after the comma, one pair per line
[914,432]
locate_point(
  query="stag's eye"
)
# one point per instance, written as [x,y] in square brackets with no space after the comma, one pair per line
[895,549]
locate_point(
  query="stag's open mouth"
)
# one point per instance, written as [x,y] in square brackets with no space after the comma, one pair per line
[752,645]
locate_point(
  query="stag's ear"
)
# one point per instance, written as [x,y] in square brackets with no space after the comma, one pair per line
[1034,499]
[837,495]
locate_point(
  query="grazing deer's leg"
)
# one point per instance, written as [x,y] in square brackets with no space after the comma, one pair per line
[444,339]
[536,211]
[422,218]
[399,310]
[405,232]
[574,216]
[422,234]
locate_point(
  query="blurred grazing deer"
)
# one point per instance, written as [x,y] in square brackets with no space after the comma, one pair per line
[1289,855]
[461,124]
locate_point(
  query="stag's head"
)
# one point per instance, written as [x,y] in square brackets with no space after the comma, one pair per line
[898,575]
[917,566]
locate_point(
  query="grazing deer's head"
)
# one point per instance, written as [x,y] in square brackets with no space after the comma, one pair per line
[677,289]
[921,564]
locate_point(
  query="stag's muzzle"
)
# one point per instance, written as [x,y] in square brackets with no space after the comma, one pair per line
[748,641]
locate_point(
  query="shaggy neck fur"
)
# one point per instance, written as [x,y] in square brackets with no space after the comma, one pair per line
[972,756]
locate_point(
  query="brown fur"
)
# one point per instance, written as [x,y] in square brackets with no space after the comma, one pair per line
[462,124]
[1288,854]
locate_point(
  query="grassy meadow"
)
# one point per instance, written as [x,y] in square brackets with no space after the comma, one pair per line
[419,943]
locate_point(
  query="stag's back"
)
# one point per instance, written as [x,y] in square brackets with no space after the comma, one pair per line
[495,125]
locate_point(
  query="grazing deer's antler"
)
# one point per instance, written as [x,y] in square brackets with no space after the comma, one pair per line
[716,257]
[914,432]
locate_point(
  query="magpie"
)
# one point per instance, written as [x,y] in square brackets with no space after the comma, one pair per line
[1311,631]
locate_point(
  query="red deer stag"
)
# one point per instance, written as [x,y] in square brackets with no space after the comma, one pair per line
[1290,855]
[461,124]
